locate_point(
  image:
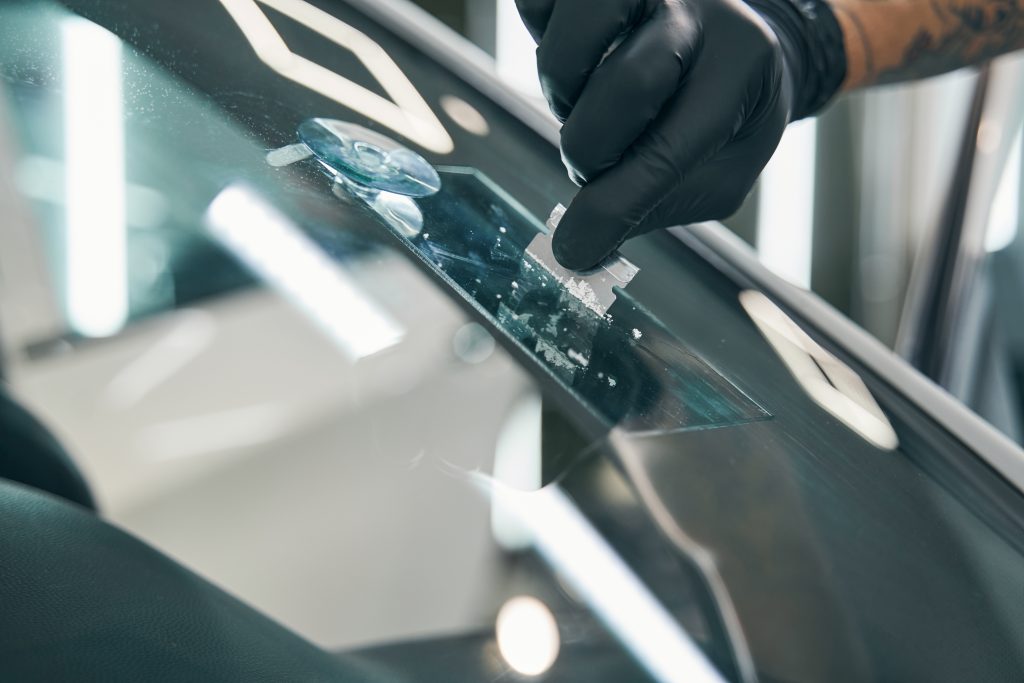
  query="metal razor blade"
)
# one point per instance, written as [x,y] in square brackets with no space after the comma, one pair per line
[595,288]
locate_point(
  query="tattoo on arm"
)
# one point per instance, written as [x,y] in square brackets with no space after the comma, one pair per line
[894,40]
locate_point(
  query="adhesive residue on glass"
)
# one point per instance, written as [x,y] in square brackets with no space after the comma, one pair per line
[625,365]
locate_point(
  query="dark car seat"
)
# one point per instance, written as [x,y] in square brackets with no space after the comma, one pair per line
[81,600]
[30,454]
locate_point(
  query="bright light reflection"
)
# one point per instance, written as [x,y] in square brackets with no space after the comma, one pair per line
[94,178]
[826,379]
[527,635]
[145,207]
[472,344]
[466,115]
[276,250]
[517,464]
[226,430]
[515,52]
[191,335]
[785,208]
[406,112]
[1004,219]
[567,541]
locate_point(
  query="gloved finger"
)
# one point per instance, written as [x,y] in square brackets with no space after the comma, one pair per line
[578,35]
[628,91]
[717,189]
[535,14]
[712,191]
[611,207]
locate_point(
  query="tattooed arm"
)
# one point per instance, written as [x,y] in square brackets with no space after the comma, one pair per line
[896,40]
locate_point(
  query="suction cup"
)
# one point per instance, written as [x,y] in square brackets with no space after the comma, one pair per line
[368,158]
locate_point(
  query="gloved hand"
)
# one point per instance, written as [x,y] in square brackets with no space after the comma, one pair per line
[674,124]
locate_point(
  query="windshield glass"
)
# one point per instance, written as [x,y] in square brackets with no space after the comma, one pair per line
[413,432]
[140,154]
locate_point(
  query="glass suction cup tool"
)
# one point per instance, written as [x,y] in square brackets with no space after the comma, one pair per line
[361,156]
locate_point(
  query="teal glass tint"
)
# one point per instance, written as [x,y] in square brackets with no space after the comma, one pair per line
[625,367]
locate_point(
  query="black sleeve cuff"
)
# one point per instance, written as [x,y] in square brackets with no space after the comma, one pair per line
[812,42]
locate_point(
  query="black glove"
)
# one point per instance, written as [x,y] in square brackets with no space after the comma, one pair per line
[673,125]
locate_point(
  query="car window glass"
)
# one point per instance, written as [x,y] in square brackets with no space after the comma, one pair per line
[345,398]
[143,187]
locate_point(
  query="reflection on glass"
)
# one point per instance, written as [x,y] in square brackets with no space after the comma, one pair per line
[191,335]
[94,179]
[406,112]
[398,211]
[625,366]
[527,635]
[518,464]
[466,115]
[269,243]
[473,344]
[574,548]
[1004,218]
[832,385]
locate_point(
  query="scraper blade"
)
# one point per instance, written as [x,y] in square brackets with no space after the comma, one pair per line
[594,288]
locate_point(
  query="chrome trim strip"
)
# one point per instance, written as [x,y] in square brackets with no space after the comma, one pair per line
[995,448]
